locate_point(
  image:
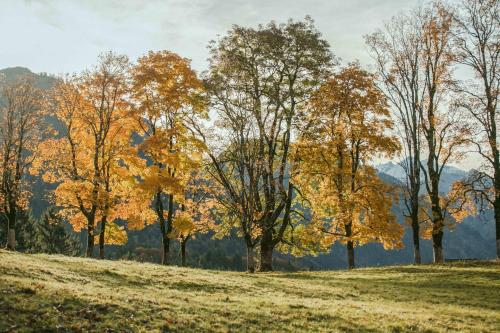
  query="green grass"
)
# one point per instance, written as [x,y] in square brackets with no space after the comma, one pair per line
[44,293]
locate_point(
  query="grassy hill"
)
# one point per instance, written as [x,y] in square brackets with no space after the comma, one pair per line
[48,293]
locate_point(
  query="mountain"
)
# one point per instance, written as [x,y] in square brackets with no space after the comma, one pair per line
[13,74]
[449,175]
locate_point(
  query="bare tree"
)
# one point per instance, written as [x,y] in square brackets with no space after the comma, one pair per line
[442,127]
[397,53]
[477,44]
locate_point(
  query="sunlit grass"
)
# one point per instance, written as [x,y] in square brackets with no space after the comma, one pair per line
[56,293]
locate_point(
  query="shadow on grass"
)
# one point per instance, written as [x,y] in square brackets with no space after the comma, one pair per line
[470,287]
[39,311]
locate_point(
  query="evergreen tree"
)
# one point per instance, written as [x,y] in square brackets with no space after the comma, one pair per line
[51,235]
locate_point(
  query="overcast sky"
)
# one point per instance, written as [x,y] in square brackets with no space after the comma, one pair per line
[58,36]
[65,36]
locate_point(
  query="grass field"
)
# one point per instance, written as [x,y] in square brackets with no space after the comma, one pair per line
[43,293]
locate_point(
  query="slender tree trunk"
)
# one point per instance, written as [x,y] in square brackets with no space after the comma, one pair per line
[90,239]
[416,237]
[168,230]
[415,192]
[350,254]
[101,237]
[183,251]
[496,207]
[437,246]
[250,259]
[266,252]
[496,180]
[349,246]
[437,225]
[165,241]
[11,228]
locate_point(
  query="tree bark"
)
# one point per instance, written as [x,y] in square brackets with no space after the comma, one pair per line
[266,252]
[350,254]
[183,251]
[496,180]
[165,241]
[90,241]
[101,237]
[250,259]
[349,246]
[165,249]
[11,239]
[416,237]
[437,245]
[11,229]
[496,206]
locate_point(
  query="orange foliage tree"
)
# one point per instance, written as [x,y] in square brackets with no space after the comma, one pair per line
[345,128]
[91,160]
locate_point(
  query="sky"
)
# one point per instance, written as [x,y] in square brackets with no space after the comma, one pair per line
[61,36]
[66,36]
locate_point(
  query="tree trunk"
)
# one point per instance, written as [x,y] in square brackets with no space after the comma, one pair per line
[183,251]
[90,242]
[101,237]
[165,241]
[266,252]
[250,259]
[496,206]
[11,230]
[496,201]
[166,249]
[437,228]
[350,246]
[350,254]
[167,230]
[437,246]
[11,239]
[416,238]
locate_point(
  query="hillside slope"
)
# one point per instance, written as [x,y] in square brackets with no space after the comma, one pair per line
[46,293]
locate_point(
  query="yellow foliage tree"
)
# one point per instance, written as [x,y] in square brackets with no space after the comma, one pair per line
[196,213]
[167,97]
[345,128]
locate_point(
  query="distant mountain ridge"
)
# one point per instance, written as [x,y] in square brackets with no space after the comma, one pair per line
[448,177]
[12,74]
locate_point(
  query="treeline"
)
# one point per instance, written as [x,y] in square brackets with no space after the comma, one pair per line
[274,141]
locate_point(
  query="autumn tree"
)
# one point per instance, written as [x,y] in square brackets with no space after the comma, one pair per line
[258,81]
[396,50]
[345,129]
[91,155]
[167,97]
[477,47]
[194,215]
[444,131]
[21,127]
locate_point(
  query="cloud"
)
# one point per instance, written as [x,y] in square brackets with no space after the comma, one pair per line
[68,35]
